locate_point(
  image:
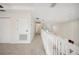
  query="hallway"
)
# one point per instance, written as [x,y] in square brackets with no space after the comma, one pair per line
[35,48]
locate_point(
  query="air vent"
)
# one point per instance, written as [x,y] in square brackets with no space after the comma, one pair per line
[23,37]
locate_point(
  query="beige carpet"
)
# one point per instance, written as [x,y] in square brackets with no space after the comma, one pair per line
[35,48]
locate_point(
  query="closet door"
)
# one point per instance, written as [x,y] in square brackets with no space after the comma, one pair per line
[8,31]
[22,26]
[4,29]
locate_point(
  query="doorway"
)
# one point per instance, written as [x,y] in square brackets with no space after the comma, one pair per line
[38,27]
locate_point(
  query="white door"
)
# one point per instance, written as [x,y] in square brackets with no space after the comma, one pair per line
[4,29]
[22,26]
[7,29]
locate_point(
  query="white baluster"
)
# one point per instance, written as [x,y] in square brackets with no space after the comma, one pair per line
[56,45]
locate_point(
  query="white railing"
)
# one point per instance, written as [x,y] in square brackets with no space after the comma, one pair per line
[55,45]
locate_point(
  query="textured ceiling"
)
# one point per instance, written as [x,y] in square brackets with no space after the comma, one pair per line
[59,13]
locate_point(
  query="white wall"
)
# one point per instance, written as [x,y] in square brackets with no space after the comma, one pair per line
[18,22]
[32,30]
[69,30]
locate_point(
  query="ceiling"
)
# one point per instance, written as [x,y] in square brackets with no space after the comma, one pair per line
[61,12]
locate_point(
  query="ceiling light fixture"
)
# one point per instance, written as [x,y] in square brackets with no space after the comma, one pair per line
[1,6]
[2,10]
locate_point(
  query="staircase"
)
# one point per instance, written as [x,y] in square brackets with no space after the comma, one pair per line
[55,45]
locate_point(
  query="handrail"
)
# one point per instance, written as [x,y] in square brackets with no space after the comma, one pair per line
[55,45]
